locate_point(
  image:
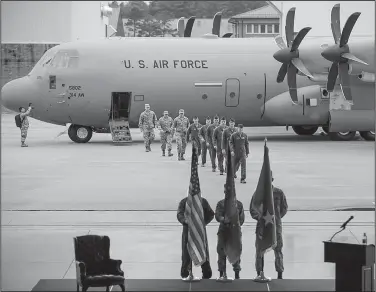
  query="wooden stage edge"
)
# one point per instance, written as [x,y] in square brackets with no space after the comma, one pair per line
[154,285]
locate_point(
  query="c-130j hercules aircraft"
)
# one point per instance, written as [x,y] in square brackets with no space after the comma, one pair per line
[93,84]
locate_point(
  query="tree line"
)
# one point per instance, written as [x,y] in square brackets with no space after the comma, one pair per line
[153,20]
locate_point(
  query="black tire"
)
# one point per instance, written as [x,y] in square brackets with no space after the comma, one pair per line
[80,134]
[305,130]
[339,136]
[368,135]
[71,133]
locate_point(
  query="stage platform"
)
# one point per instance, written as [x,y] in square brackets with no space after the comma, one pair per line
[154,285]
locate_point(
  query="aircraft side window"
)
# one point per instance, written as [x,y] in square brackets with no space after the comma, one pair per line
[138,98]
[73,62]
[63,63]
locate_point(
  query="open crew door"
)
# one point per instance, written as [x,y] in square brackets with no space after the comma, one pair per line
[232,92]
[119,117]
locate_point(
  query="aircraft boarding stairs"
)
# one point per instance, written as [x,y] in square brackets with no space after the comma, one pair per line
[120,131]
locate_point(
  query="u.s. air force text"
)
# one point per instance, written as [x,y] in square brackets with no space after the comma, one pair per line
[165,64]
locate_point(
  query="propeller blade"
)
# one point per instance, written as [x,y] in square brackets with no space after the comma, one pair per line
[335,23]
[332,77]
[280,42]
[181,27]
[227,35]
[282,72]
[289,28]
[298,39]
[347,29]
[217,23]
[353,58]
[300,66]
[188,28]
[291,80]
[345,80]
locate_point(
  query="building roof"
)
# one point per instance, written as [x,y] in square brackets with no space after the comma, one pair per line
[268,11]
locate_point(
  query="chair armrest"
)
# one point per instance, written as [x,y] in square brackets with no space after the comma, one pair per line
[80,272]
[113,267]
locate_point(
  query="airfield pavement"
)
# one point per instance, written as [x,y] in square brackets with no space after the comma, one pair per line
[56,189]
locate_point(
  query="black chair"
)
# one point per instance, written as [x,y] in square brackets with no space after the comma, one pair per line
[94,268]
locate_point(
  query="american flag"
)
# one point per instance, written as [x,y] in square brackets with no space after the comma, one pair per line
[194,213]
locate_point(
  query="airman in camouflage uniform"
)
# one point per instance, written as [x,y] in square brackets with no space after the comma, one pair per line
[226,137]
[280,210]
[223,224]
[180,127]
[25,124]
[186,264]
[239,148]
[202,136]
[210,142]
[165,127]
[193,134]
[217,139]
[147,123]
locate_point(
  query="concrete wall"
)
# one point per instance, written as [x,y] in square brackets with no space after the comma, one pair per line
[86,20]
[35,21]
[50,21]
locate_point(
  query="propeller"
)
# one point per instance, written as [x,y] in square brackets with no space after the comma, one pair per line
[185,31]
[288,55]
[339,54]
[217,26]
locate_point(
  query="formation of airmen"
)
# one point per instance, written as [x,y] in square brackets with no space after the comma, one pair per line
[211,137]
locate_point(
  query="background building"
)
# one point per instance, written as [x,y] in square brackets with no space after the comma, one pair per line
[317,15]
[261,22]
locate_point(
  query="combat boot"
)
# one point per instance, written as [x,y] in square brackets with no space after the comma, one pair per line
[182,157]
[237,275]
[179,156]
[279,275]
[169,153]
[24,145]
[147,149]
[220,274]
[163,153]
[221,173]
[243,181]
[203,165]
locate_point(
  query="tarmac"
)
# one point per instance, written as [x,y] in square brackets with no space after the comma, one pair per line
[56,189]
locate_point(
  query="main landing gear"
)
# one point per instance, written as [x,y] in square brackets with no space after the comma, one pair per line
[80,134]
[305,130]
[339,136]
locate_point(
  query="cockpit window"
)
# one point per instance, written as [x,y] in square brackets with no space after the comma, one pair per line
[65,59]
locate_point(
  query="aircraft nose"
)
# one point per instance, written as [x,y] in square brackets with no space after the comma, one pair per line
[17,93]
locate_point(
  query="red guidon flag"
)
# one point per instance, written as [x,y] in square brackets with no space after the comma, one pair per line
[262,204]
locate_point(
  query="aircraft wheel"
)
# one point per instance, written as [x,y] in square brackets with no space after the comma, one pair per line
[305,130]
[341,136]
[71,131]
[80,134]
[368,135]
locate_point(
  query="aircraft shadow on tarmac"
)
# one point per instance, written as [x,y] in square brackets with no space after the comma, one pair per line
[251,138]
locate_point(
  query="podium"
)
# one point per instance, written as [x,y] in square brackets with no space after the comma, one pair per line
[354,265]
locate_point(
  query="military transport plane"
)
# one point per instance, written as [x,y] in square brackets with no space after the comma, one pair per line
[84,83]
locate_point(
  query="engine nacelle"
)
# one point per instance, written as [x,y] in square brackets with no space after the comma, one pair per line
[367,77]
[351,120]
